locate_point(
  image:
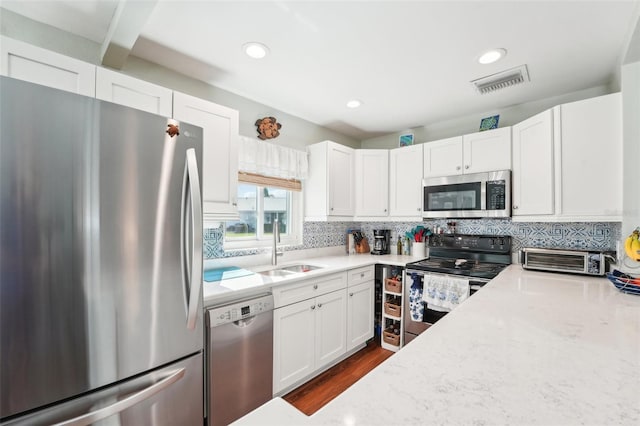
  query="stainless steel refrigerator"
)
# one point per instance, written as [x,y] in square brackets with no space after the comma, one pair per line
[100,262]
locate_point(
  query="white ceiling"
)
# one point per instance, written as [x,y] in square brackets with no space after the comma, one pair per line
[409,62]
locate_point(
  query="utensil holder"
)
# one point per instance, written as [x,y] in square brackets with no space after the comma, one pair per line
[418,249]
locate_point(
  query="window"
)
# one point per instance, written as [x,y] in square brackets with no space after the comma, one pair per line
[259,207]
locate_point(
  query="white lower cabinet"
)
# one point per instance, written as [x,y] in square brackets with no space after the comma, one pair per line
[294,343]
[307,336]
[317,322]
[360,311]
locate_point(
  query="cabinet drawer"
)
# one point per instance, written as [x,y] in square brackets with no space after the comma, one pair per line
[361,275]
[307,289]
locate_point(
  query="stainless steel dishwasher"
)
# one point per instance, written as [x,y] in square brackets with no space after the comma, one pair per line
[239,358]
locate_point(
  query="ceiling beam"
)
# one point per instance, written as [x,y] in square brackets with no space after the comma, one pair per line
[125,28]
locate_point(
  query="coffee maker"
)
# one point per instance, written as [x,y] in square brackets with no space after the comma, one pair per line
[381,241]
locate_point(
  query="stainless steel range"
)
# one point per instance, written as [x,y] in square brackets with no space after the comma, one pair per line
[475,259]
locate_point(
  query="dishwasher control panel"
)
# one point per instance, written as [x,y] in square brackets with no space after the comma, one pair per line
[240,310]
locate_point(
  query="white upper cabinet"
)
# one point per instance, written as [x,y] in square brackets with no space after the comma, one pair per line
[473,153]
[405,182]
[487,151]
[372,182]
[533,169]
[329,188]
[443,157]
[220,152]
[124,90]
[590,156]
[30,63]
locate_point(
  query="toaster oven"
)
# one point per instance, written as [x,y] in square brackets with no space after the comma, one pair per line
[559,260]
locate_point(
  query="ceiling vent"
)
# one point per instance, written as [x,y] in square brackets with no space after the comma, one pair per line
[503,79]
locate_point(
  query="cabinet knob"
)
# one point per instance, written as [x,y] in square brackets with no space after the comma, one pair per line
[313,307]
[515,207]
[458,167]
[466,167]
[350,294]
[418,209]
[331,208]
[362,275]
[319,305]
[315,286]
[385,210]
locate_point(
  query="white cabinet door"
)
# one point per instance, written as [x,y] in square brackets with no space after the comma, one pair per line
[124,90]
[372,182]
[405,181]
[533,169]
[331,327]
[443,157]
[30,63]
[220,152]
[591,158]
[360,314]
[487,151]
[341,182]
[293,343]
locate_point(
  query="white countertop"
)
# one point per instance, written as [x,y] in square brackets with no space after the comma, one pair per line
[530,348]
[220,292]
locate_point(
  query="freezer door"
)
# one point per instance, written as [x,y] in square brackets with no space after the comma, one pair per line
[169,396]
[101,244]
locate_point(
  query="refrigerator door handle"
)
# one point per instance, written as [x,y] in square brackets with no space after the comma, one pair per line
[136,398]
[191,242]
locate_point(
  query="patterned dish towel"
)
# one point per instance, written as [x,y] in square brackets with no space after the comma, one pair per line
[444,292]
[416,305]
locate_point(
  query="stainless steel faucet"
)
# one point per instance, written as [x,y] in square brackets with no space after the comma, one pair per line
[276,239]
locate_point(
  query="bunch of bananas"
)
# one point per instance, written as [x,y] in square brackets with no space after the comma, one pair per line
[632,245]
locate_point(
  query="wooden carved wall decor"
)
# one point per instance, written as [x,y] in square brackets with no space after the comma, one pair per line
[268,128]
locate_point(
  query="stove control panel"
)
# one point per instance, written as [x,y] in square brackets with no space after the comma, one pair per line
[479,243]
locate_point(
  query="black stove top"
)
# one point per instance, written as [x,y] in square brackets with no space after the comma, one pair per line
[480,256]
[471,268]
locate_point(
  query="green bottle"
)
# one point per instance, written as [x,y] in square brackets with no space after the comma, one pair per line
[399,245]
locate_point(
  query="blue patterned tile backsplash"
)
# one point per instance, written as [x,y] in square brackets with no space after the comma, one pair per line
[582,235]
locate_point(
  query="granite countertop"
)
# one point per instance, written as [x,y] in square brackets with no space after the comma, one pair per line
[530,348]
[219,292]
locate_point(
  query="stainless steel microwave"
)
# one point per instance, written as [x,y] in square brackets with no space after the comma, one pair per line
[485,194]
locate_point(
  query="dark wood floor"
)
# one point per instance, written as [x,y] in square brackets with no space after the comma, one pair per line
[314,394]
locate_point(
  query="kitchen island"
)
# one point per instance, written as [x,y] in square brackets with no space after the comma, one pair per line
[530,348]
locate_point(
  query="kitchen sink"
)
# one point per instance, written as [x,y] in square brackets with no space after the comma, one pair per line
[285,271]
[299,268]
[277,273]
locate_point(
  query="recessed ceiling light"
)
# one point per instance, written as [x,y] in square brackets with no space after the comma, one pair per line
[354,103]
[492,56]
[255,50]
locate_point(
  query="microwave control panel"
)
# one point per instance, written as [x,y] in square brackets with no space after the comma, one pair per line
[496,198]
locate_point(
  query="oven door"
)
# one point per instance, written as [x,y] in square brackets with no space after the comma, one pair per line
[417,316]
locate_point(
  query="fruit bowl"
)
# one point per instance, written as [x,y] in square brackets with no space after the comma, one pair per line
[625,283]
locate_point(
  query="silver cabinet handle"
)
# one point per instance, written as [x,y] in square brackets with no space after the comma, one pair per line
[466,167]
[418,209]
[191,217]
[515,207]
[350,294]
[136,398]
[458,167]
[315,286]
[362,275]
[319,305]
[313,307]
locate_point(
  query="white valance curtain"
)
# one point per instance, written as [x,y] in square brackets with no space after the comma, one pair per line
[268,160]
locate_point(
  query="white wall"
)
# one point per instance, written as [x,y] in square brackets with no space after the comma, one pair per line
[471,123]
[631,146]
[295,133]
